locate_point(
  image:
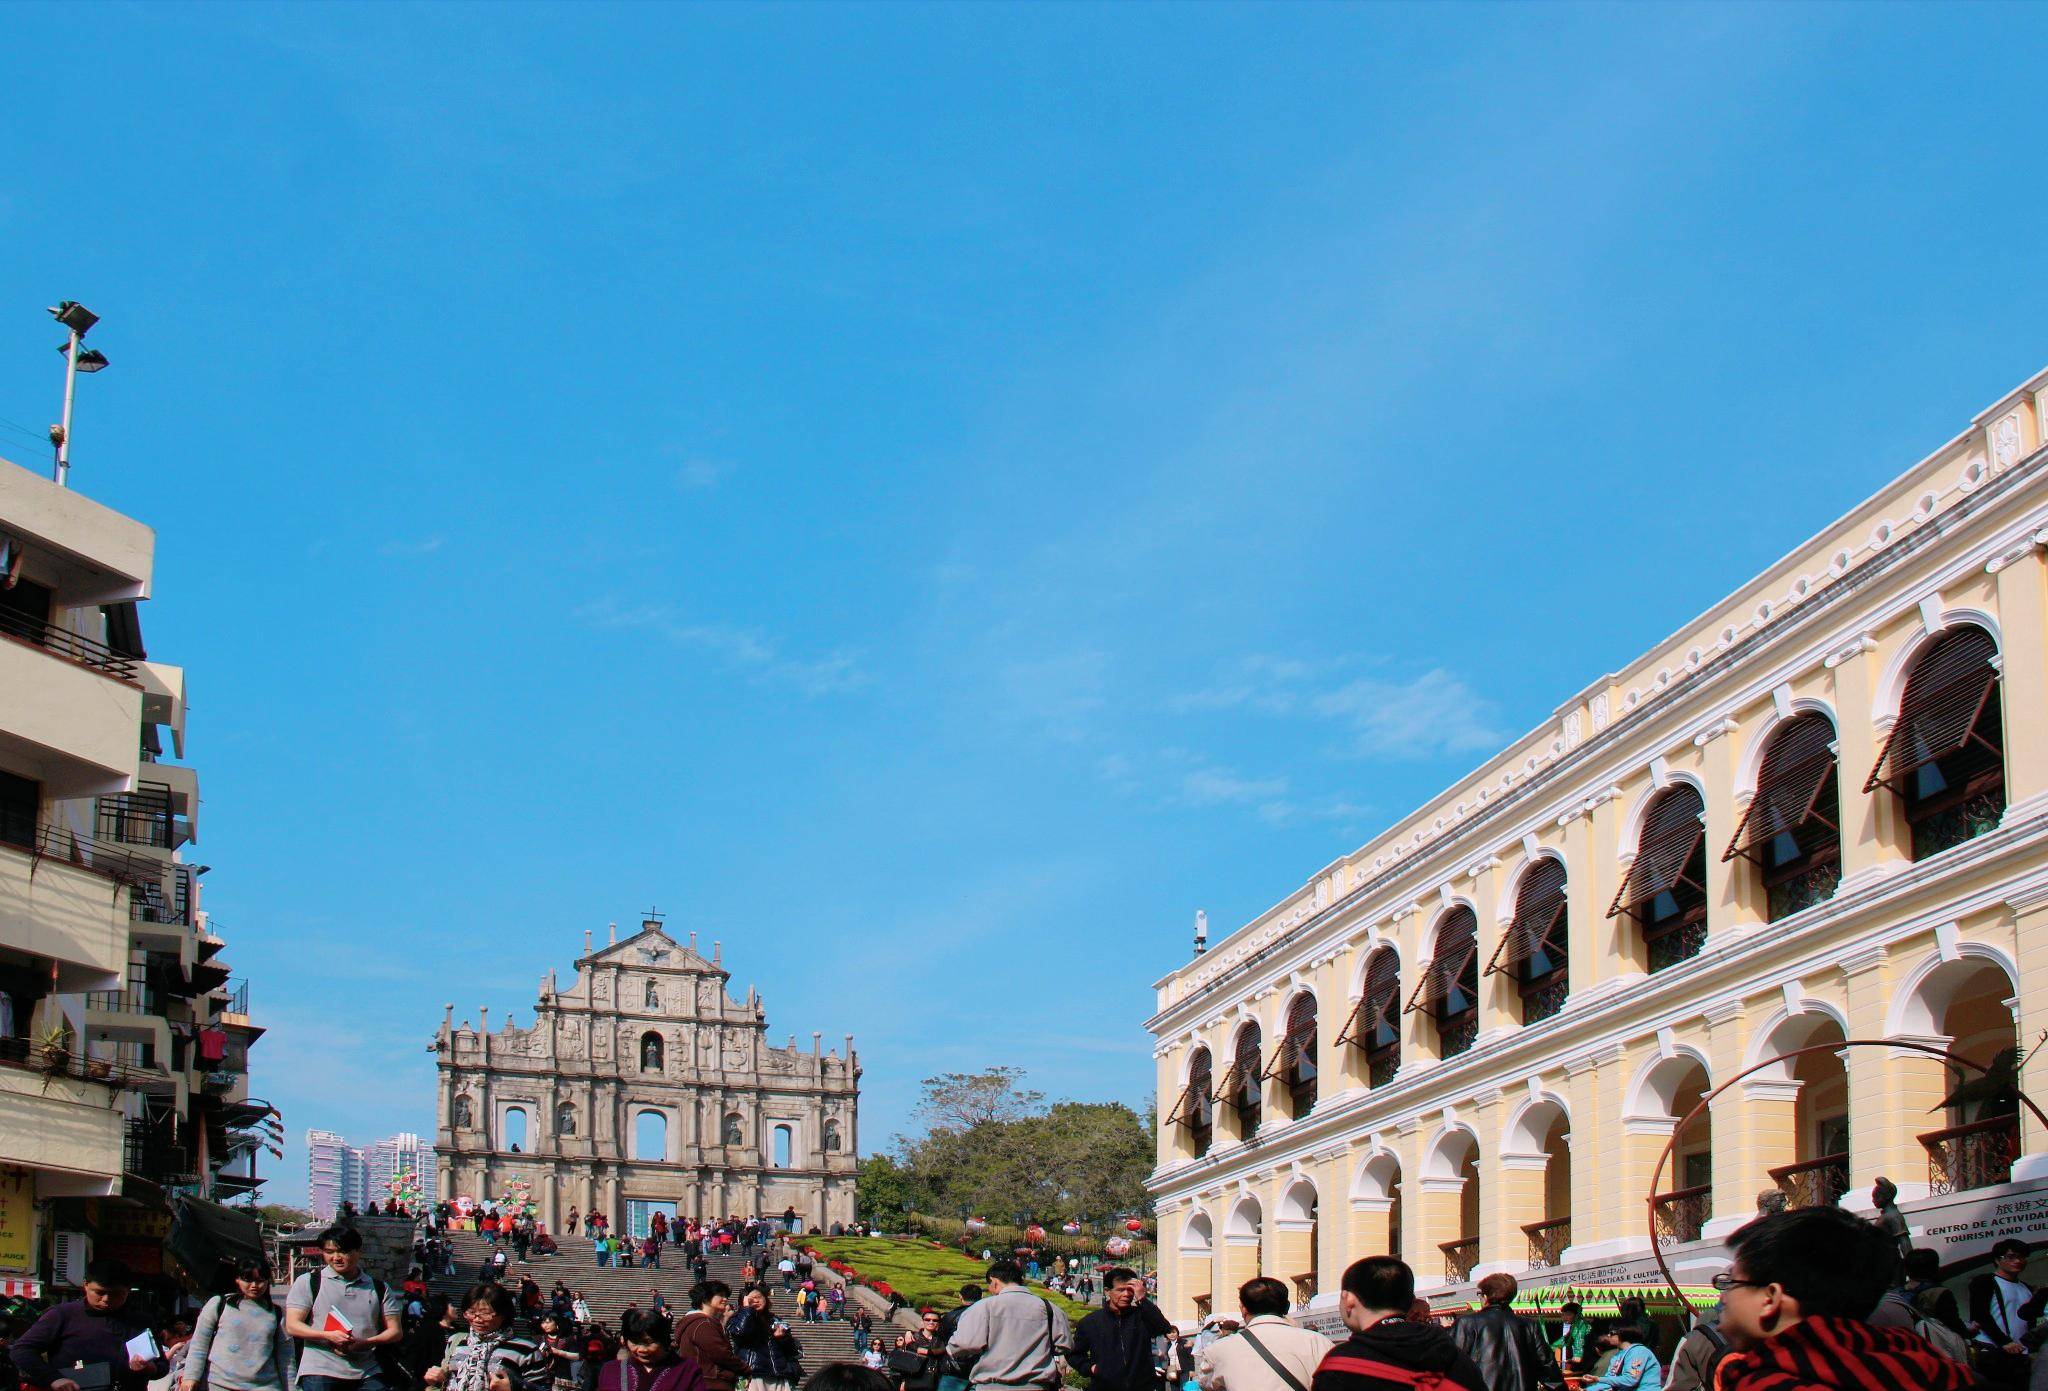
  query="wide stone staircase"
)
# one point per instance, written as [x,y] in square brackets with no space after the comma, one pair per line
[610,1289]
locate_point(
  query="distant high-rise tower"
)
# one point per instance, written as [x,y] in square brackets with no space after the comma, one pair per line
[334,1174]
[398,1154]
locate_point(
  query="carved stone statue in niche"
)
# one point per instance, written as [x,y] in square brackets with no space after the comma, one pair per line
[565,1119]
[650,1053]
[653,999]
[463,1116]
[734,1134]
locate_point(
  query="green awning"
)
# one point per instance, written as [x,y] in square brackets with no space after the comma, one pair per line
[1604,1301]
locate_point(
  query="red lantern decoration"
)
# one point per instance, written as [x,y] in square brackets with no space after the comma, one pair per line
[1134,1225]
[1071,1228]
[1034,1234]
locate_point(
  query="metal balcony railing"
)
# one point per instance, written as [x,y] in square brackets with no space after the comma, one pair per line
[60,843]
[148,1155]
[141,817]
[1813,1182]
[1547,1241]
[236,1000]
[1681,1214]
[1459,1258]
[1970,1156]
[86,652]
[65,1062]
[122,1001]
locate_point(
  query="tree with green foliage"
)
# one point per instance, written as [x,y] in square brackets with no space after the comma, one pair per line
[960,1101]
[883,1192]
[993,1149]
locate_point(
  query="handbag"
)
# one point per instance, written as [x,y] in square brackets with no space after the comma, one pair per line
[904,1362]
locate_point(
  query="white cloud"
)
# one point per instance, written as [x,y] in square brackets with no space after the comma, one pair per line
[1430,715]
[696,475]
[750,651]
[1213,786]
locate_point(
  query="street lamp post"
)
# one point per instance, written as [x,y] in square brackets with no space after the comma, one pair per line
[77,318]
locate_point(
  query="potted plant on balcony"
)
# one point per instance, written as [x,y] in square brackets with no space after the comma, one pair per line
[53,1049]
[99,1069]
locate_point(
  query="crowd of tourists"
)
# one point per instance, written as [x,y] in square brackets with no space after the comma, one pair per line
[1814,1299]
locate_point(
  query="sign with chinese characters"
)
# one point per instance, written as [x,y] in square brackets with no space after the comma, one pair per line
[1963,1226]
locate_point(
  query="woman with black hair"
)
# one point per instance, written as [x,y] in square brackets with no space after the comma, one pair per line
[239,1343]
[490,1356]
[651,1362]
[772,1355]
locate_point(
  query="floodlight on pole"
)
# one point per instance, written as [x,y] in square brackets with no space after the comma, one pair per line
[79,320]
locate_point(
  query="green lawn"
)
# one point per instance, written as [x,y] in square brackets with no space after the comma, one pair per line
[920,1273]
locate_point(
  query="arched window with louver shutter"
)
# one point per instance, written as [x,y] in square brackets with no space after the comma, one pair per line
[1792,829]
[1534,949]
[1665,893]
[1196,1108]
[1945,758]
[1241,1084]
[1375,1026]
[1449,989]
[1294,1057]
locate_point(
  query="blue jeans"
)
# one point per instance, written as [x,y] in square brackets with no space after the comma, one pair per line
[372,1382]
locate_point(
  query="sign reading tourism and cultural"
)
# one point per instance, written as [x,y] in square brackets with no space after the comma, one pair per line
[17,1220]
[1963,1227]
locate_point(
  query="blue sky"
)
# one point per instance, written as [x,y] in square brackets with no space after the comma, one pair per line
[932,496]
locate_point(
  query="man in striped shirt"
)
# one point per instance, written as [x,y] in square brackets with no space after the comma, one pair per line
[1386,1352]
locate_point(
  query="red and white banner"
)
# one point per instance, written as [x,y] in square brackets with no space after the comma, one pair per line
[21,1289]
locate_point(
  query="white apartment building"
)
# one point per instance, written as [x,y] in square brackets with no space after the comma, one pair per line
[123,1042]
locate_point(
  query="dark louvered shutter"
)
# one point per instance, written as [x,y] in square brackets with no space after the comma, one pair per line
[1796,770]
[1942,712]
[1539,921]
[1672,830]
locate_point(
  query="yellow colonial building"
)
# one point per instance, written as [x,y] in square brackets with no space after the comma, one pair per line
[1818,813]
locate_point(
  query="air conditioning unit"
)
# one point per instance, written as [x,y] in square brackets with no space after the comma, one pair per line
[71,1259]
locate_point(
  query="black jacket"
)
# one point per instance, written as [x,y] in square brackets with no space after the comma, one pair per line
[1507,1349]
[1413,1347]
[1115,1351]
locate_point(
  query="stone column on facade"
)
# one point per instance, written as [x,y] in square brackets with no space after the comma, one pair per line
[2023,669]
[1737,1174]
[1418,1037]
[1894,1094]
[1171,1144]
[1875,837]
[1242,1253]
[550,1181]
[1173,1277]
[2030,1018]
[1592,1135]
[1344,1068]
[1501,1244]
[1498,1010]
[1271,1014]
[1735,896]
[1331,1172]
[1593,953]
[1293,1238]
[1442,1220]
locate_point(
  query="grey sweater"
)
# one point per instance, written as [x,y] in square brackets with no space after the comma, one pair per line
[241,1346]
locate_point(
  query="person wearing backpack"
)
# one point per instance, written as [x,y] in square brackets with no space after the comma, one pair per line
[240,1342]
[1267,1353]
[1925,1307]
[1385,1351]
[1699,1353]
[343,1317]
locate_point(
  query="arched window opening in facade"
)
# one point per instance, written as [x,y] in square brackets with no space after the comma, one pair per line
[1294,1058]
[565,1119]
[1240,1086]
[515,1128]
[1375,1027]
[1665,893]
[1945,758]
[1449,990]
[1196,1108]
[1967,1001]
[1792,830]
[650,1052]
[785,1145]
[1534,948]
[650,1136]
